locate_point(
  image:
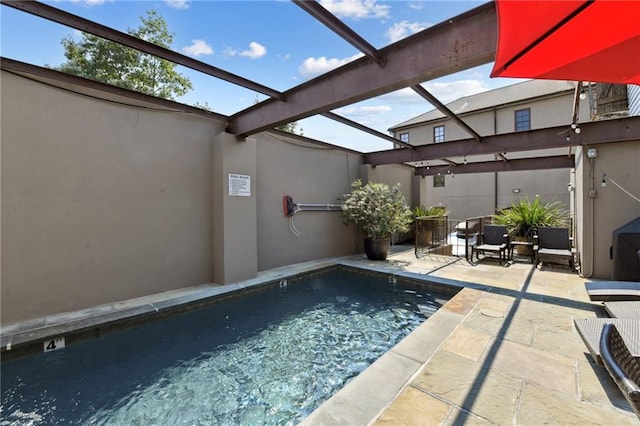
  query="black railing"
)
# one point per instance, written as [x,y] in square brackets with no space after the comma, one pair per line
[448,237]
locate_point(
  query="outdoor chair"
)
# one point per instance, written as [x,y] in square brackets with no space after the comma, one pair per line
[553,245]
[623,309]
[493,238]
[623,368]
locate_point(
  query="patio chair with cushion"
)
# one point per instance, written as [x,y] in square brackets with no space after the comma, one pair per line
[493,238]
[623,368]
[553,245]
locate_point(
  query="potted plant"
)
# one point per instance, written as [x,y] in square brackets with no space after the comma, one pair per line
[379,210]
[433,217]
[524,217]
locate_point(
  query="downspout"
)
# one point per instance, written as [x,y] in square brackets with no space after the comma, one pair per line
[495,174]
[592,196]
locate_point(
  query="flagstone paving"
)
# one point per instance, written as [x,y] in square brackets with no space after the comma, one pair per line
[514,358]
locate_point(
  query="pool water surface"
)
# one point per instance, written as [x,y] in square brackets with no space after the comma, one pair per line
[269,357]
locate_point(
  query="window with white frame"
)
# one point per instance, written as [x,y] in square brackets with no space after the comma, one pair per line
[438,134]
[404,137]
[522,118]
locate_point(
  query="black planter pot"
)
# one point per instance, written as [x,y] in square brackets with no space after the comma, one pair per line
[377,248]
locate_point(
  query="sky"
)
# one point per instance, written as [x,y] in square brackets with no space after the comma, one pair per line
[272,42]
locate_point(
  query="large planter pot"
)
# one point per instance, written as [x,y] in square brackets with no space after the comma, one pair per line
[377,248]
[522,250]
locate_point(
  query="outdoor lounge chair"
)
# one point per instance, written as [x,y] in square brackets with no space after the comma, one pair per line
[623,368]
[553,245]
[623,309]
[605,291]
[493,238]
[590,330]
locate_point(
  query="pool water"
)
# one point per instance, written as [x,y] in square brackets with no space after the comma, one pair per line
[268,358]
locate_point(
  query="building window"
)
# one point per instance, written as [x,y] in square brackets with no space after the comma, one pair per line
[438,181]
[522,119]
[404,137]
[438,134]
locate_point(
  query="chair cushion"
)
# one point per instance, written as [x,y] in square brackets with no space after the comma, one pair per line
[491,247]
[555,252]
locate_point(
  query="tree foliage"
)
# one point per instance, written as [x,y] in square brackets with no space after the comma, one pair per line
[112,63]
[290,127]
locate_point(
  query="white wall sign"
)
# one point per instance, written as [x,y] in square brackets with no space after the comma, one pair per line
[239,185]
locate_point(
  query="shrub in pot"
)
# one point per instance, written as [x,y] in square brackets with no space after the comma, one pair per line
[524,217]
[379,210]
[432,227]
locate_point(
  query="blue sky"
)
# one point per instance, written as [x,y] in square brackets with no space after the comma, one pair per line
[272,42]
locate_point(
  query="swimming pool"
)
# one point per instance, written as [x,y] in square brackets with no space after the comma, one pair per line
[268,357]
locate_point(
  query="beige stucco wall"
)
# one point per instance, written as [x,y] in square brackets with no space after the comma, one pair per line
[235,212]
[103,201]
[480,194]
[392,174]
[463,196]
[309,174]
[610,207]
[550,185]
[100,201]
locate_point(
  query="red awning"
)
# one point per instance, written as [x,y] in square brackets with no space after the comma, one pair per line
[594,40]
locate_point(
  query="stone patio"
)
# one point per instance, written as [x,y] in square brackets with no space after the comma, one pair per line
[514,357]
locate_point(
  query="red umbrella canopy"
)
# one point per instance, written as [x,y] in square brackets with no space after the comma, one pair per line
[594,40]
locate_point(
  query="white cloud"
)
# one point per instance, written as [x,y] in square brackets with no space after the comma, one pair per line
[445,92]
[400,30]
[312,67]
[356,9]
[416,6]
[362,111]
[450,91]
[89,2]
[197,48]
[229,51]
[256,50]
[177,4]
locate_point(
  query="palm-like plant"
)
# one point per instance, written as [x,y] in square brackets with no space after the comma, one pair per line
[525,216]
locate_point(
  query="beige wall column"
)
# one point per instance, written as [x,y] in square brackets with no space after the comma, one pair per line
[235,248]
[606,208]
[584,213]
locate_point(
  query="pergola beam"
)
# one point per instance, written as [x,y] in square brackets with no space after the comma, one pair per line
[316,10]
[56,15]
[542,163]
[460,43]
[592,133]
[445,110]
[366,129]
